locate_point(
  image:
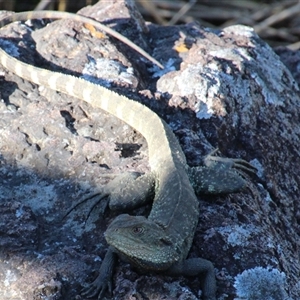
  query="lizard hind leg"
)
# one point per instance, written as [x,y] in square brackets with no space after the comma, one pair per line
[96,197]
[123,193]
[220,175]
[213,181]
[225,163]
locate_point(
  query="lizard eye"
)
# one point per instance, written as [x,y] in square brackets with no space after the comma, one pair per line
[138,230]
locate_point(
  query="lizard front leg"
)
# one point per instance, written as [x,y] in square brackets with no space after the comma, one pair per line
[104,279]
[194,267]
[125,192]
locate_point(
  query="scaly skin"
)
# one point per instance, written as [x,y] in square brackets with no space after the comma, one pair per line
[162,241]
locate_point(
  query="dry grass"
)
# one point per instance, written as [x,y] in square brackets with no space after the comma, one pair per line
[277,22]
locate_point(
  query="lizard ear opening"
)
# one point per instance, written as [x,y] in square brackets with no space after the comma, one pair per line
[165,241]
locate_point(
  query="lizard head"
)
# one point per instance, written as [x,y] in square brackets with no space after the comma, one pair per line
[142,242]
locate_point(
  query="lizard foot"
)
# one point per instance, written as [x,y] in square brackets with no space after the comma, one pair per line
[225,163]
[104,280]
[220,175]
[96,197]
[97,288]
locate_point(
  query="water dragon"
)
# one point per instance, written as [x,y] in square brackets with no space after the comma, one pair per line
[160,242]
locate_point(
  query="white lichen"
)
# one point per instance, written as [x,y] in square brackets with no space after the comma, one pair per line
[261,283]
[238,235]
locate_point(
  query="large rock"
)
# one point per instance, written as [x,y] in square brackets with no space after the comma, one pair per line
[220,88]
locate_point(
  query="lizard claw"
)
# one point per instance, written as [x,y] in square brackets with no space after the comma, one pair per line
[98,287]
[243,165]
[220,175]
[104,280]
[217,162]
[96,197]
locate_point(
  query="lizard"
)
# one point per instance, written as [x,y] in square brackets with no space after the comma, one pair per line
[161,242]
